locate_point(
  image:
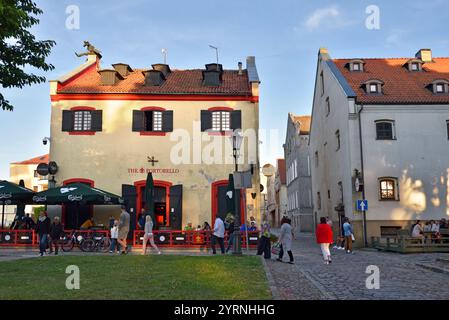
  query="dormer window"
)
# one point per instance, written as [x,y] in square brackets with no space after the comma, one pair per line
[414,65]
[356,65]
[440,86]
[373,86]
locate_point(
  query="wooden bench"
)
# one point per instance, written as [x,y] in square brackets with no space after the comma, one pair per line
[403,243]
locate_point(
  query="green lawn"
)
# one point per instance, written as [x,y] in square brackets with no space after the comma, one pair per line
[136,277]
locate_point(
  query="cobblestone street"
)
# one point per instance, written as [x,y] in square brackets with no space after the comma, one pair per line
[400,275]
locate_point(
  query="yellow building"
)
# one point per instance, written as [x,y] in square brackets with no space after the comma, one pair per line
[110,127]
[27,171]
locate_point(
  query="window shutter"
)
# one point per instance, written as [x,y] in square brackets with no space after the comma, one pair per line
[167,121]
[206,120]
[138,121]
[97,120]
[236,119]
[67,120]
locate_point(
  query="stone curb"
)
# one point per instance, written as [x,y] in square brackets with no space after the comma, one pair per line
[327,295]
[433,268]
[271,283]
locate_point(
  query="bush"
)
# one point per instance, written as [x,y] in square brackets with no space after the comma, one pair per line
[37,212]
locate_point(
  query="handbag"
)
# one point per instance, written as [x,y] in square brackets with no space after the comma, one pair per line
[352,236]
[276,248]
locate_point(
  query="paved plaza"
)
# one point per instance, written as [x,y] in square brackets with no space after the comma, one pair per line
[401,276]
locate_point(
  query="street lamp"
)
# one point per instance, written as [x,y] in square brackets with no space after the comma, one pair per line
[236,139]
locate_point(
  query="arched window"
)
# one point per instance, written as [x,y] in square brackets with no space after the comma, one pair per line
[388,188]
[385,130]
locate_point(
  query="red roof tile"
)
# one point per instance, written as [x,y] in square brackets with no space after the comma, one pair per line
[304,123]
[45,158]
[282,171]
[400,85]
[177,82]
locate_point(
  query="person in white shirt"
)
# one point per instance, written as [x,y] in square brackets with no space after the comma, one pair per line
[435,227]
[114,236]
[218,235]
[148,229]
[417,231]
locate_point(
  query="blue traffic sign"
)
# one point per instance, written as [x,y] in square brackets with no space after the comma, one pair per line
[362,205]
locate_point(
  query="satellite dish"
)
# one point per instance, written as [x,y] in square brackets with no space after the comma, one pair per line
[42,169]
[268,170]
[52,167]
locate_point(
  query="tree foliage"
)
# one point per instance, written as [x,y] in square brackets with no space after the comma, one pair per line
[19,49]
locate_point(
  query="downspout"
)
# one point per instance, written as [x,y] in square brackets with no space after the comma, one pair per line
[365,240]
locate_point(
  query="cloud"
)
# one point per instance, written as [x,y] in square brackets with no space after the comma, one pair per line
[323,16]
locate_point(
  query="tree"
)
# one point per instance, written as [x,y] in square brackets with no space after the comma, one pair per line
[19,49]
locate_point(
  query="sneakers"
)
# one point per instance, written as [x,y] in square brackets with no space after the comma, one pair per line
[291,262]
[326,262]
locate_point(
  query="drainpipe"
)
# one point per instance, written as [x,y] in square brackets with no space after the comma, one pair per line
[365,240]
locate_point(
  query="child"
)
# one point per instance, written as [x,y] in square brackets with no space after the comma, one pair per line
[114,237]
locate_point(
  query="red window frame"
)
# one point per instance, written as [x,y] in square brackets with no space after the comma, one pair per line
[220,133]
[214,201]
[157,183]
[152,133]
[82,133]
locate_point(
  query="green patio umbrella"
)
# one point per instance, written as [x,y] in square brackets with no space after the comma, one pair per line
[20,212]
[13,194]
[77,193]
[149,196]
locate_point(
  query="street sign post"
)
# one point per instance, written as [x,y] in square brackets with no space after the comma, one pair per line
[362,205]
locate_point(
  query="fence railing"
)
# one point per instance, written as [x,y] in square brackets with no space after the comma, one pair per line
[164,238]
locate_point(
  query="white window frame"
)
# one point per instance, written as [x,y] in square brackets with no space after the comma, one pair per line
[82,120]
[221,121]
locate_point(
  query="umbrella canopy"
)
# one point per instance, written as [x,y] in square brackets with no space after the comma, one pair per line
[11,193]
[149,196]
[230,193]
[76,193]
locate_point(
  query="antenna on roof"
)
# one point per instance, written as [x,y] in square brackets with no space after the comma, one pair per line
[164,52]
[216,51]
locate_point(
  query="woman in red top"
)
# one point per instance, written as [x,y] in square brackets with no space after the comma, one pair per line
[324,236]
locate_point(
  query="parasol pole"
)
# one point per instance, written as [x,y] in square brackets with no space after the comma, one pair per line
[3,214]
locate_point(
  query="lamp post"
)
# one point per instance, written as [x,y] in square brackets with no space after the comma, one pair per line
[237,139]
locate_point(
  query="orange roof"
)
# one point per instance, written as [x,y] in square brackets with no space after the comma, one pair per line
[282,171]
[400,85]
[45,158]
[177,82]
[304,123]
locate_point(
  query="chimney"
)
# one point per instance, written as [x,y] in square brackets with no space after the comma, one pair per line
[425,55]
[211,78]
[214,67]
[122,68]
[164,68]
[153,77]
[240,68]
[109,77]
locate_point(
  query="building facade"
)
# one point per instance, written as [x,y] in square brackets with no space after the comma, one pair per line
[280,189]
[380,132]
[111,127]
[298,172]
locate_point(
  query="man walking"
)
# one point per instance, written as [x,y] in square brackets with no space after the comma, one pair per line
[56,232]
[43,229]
[123,229]
[349,234]
[218,235]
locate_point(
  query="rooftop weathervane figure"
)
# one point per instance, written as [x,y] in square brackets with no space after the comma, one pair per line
[90,50]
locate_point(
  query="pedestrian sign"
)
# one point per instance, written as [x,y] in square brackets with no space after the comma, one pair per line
[362,205]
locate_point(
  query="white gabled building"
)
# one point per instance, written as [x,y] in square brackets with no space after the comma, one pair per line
[383,125]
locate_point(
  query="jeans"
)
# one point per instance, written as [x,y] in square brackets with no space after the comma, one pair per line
[281,254]
[114,244]
[230,242]
[43,242]
[214,240]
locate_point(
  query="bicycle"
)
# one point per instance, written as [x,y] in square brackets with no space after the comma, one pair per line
[99,243]
[68,242]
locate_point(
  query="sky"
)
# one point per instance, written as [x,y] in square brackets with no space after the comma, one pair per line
[283,35]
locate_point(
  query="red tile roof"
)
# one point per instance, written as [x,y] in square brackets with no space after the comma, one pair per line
[45,158]
[400,85]
[304,123]
[282,171]
[177,82]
